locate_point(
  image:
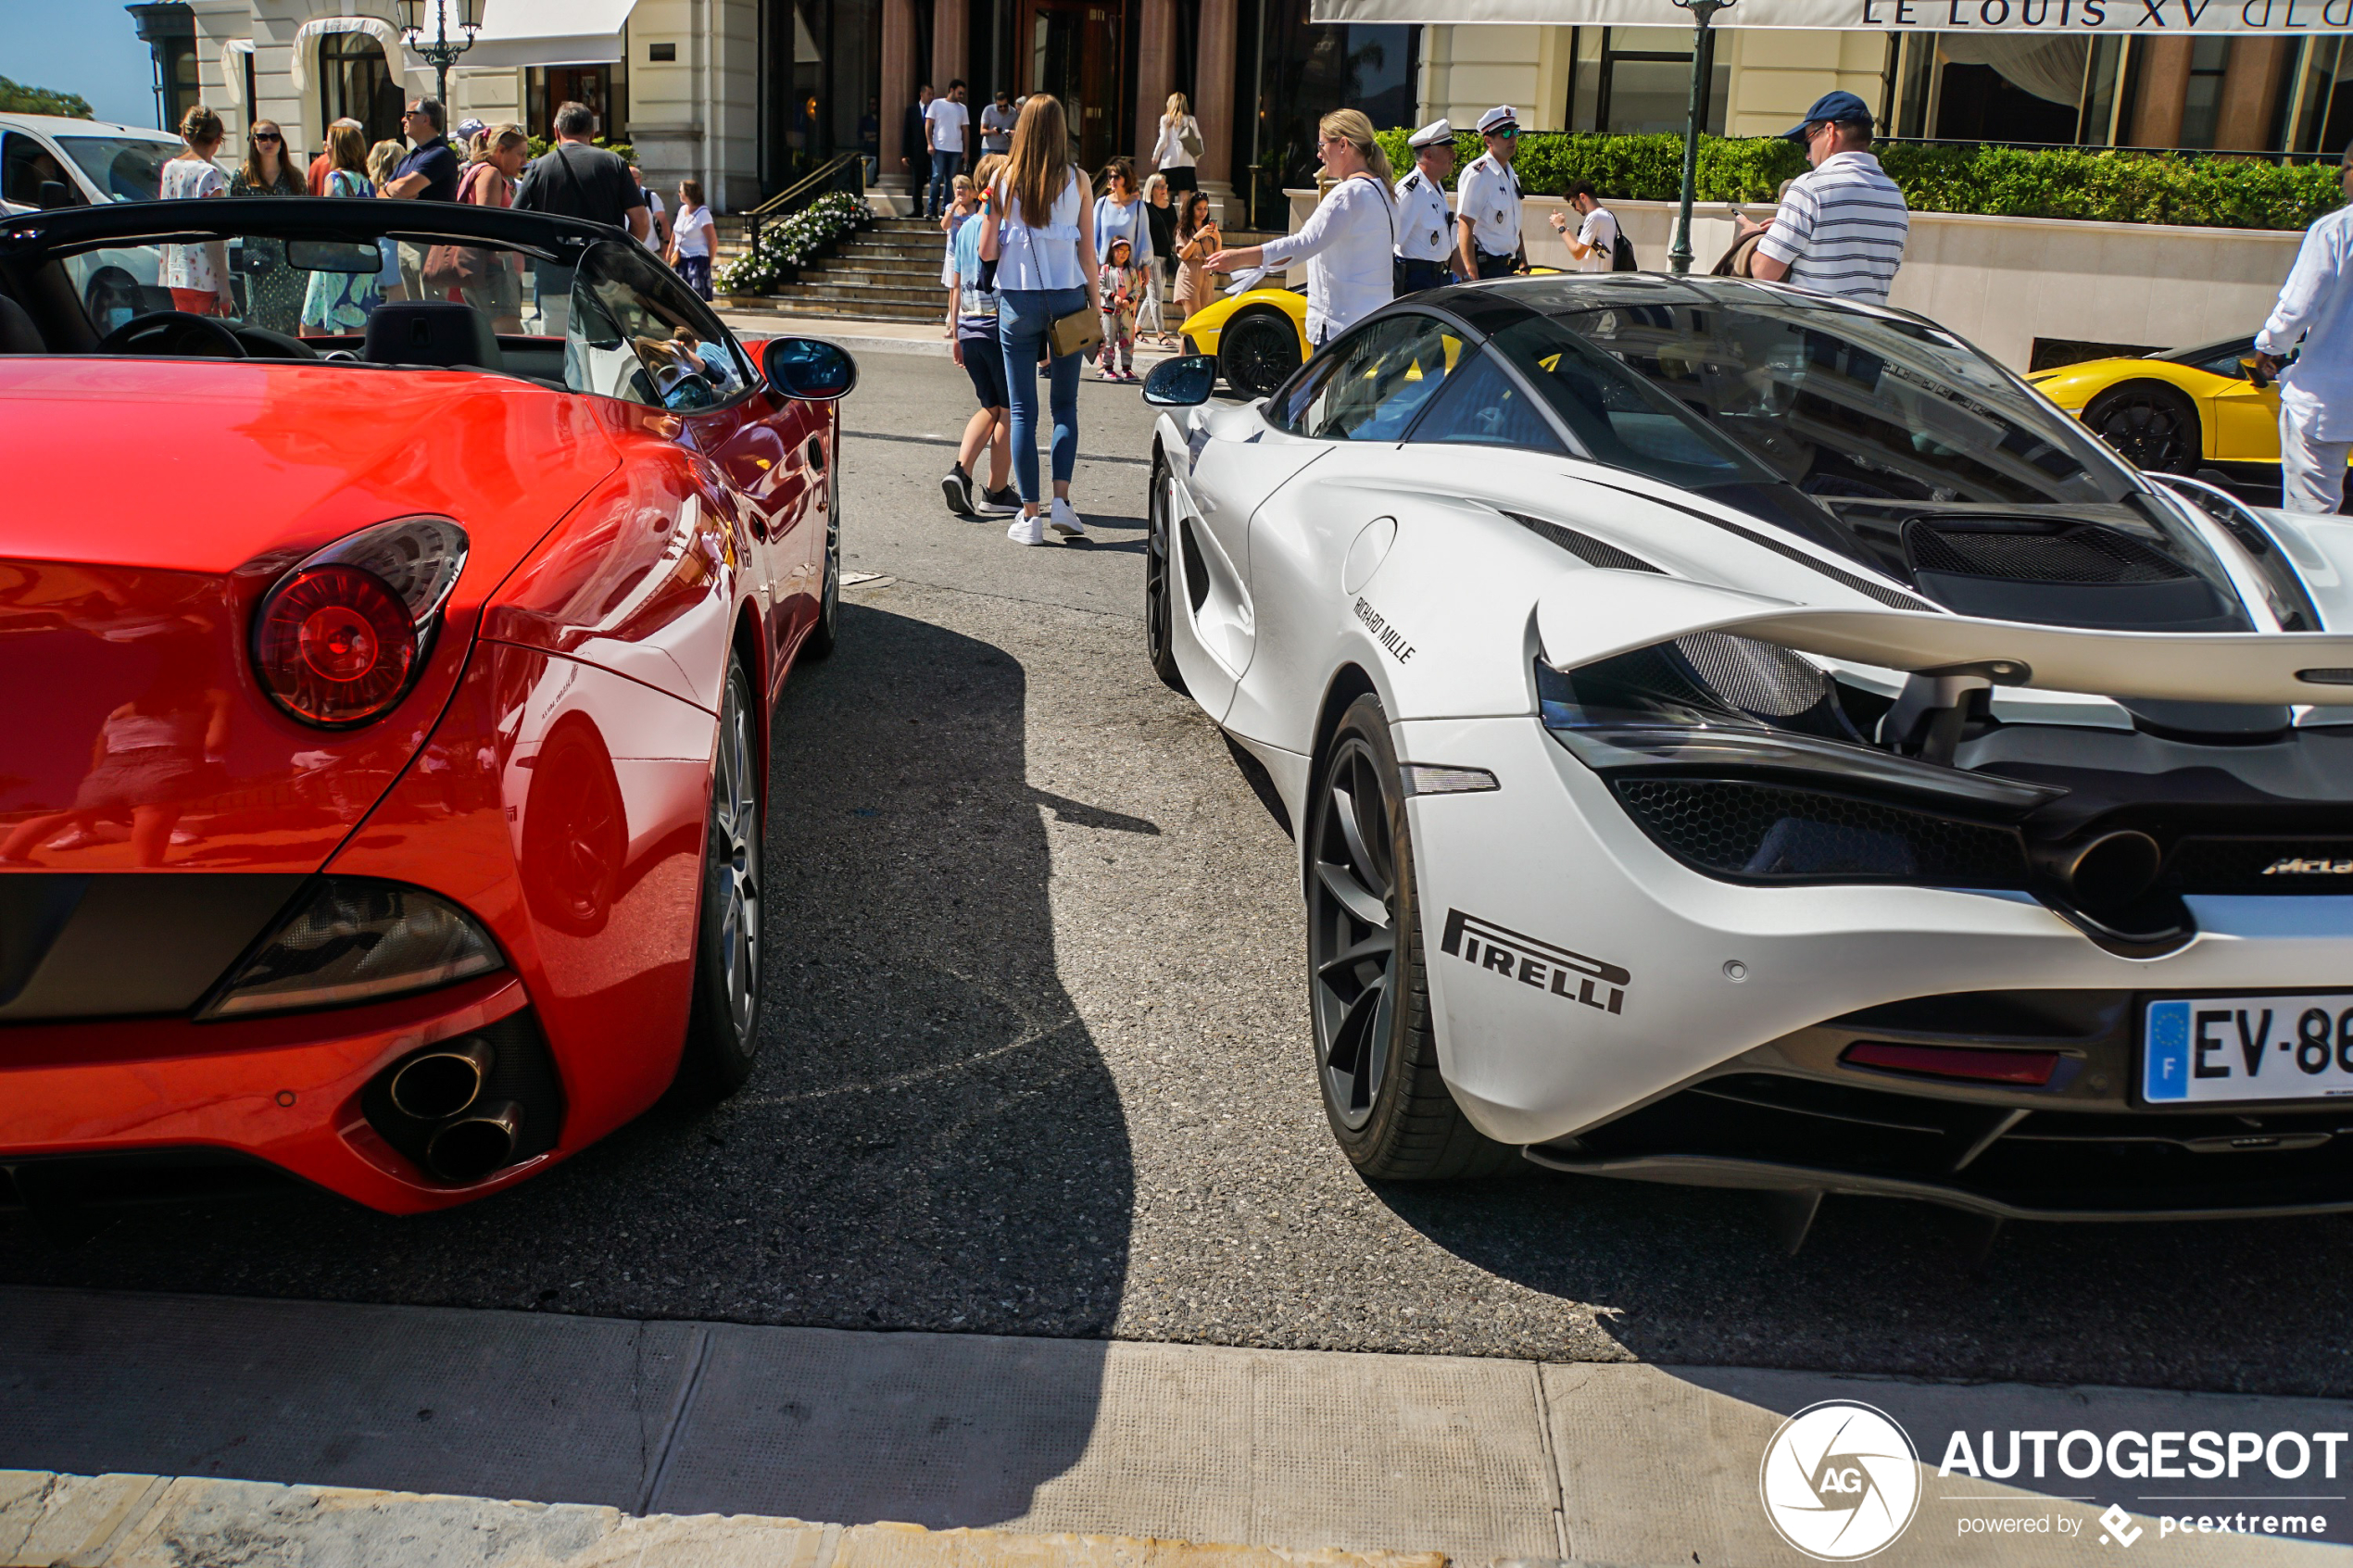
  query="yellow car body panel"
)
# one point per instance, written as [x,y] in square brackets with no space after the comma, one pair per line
[2237,421]
[1203,325]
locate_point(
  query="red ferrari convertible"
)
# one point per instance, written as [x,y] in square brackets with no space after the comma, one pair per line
[393,596]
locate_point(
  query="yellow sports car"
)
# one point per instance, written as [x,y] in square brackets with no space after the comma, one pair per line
[1259,337]
[2180,412]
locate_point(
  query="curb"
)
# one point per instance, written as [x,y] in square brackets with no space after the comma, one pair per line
[163,1522]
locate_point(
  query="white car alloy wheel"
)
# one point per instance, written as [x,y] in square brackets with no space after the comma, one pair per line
[1375,1055]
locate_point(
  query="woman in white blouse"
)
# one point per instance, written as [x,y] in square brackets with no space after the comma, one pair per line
[1039,237]
[1179,147]
[1347,242]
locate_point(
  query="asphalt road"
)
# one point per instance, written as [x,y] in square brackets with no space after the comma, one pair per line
[1036,1063]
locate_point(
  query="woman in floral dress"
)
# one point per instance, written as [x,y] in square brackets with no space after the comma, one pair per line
[336,303]
[273,290]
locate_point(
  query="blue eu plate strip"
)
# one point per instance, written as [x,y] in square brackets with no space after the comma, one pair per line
[2165,1055]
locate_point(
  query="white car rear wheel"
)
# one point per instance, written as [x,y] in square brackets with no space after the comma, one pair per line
[1375,1051]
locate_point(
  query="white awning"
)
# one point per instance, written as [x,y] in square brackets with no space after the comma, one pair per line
[2138,18]
[555,32]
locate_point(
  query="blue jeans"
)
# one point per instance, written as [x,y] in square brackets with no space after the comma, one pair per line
[1025,318]
[945,167]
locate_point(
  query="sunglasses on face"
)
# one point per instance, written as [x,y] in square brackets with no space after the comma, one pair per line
[266,136]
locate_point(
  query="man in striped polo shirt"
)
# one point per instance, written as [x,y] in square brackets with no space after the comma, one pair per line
[1840,230]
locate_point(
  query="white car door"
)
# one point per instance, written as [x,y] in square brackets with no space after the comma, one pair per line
[1245,456]
[1313,544]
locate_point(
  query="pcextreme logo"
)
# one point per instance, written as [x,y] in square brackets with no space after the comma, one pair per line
[1840,1481]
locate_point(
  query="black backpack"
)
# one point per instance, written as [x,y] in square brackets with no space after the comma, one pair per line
[1621,255]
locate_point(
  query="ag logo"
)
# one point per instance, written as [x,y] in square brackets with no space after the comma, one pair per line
[1840,1481]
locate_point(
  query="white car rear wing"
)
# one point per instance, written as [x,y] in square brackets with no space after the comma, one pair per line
[1592,615]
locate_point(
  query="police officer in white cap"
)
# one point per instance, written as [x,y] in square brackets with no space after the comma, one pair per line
[1486,201]
[1425,229]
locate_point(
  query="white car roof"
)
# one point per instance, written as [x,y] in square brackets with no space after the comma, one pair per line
[58,125]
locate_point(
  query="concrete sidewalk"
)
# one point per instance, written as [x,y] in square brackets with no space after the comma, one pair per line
[1480,1460]
[155,1522]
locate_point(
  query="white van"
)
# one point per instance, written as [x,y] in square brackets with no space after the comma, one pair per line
[80,163]
[94,160]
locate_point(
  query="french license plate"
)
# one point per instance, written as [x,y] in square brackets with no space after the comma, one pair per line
[2248,1048]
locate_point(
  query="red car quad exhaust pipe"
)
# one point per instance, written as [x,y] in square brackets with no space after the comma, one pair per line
[442,1082]
[468,1147]
[465,1109]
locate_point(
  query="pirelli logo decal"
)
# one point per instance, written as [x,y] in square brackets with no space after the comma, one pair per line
[1500,950]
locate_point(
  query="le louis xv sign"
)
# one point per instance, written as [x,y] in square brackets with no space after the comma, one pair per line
[2139,18]
[2099,15]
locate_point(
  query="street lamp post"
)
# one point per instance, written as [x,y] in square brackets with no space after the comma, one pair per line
[1678,255]
[439,49]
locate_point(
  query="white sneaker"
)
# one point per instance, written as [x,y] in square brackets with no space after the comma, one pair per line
[1065,520]
[1030,530]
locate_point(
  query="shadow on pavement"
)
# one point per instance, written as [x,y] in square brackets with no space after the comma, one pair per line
[930,1141]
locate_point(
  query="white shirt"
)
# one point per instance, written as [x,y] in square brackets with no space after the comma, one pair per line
[695,231]
[1600,232]
[1348,243]
[652,241]
[1840,230]
[947,120]
[2316,303]
[1487,194]
[1046,257]
[1114,221]
[1169,151]
[1425,229]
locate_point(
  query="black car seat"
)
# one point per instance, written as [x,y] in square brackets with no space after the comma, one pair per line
[432,332]
[17,335]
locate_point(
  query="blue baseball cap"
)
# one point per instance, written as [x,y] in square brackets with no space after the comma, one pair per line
[1843,107]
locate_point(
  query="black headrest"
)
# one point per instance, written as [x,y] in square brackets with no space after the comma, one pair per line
[17,335]
[432,332]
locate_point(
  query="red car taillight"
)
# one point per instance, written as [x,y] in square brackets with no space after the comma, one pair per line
[334,645]
[336,642]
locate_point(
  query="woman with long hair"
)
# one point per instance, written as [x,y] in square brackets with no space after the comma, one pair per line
[489,181]
[336,303]
[1037,235]
[273,290]
[1348,242]
[197,274]
[1197,241]
[1180,146]
[384,164]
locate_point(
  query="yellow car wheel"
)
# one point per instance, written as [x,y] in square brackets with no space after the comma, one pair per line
[2152,425]
[1258,350]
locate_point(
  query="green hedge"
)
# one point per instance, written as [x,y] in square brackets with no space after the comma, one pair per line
[2219,192]
[621,150]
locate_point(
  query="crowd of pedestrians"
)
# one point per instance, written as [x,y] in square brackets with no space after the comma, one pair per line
[486,166]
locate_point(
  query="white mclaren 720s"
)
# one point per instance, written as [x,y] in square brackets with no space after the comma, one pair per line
[1744,738]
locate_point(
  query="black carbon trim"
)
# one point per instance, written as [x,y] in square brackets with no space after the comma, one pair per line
[1584,547]
[1894,598]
